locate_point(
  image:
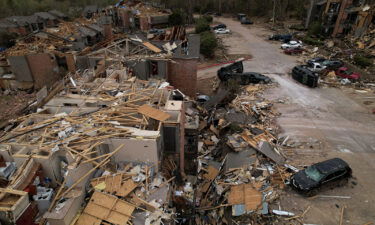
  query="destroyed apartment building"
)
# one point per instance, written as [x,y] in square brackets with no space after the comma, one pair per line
[342,17]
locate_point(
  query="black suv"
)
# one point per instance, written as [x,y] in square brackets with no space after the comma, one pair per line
[305,76]
[308,181]
[219,26]
[333,64]
[235,72]
[281,37]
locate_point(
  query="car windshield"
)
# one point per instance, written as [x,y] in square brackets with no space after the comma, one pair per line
[313,173]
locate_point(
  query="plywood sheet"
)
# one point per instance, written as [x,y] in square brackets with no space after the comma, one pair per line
[86,219]
[153,113]
[152,47]
[245,194]
[106,207]
[127,187]
[212,173]
[253,198]
[236,195]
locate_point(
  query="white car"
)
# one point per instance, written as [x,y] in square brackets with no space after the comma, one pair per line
[315,67]
[222,31]
[292,44]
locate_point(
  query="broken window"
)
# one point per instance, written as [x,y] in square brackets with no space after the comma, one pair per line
[313,173]
[154,68]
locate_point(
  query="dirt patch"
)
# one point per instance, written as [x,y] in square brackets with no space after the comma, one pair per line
[12,105]
[207,86]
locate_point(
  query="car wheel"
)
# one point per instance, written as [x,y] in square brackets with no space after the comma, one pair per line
[311,193]
[343,182]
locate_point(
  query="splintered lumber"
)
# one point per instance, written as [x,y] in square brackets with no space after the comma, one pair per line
[105,161]
[342,214]
[151,47]
[153,113]
[57,196]
[114,184]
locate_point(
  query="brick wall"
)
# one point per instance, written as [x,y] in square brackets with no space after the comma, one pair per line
[70,62]
[108,34]
[182,74]
[124,15]
[44,69]
[144,23]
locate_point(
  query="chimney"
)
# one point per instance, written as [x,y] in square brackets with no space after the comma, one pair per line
[106,22]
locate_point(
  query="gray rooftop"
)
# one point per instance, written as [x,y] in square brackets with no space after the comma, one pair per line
[192,50]
[87,32]
[57,13]
[45,15]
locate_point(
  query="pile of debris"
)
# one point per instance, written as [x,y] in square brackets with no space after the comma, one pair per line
[240,169]
[102,131]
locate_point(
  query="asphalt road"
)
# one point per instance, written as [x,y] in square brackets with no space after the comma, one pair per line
[333,122]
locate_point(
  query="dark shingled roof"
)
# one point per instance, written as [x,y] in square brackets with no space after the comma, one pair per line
[90,9]
[4,23]
[87,32]
[18,20]
[57,13]
[45,15]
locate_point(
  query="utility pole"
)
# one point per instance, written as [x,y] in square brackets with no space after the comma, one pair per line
[220,7]
[274,11]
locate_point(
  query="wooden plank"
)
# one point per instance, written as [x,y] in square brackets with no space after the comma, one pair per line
[253,198]
[127,187]
[212,173]
[236,195]
[86,219]
[151,47]
[245,194]
[153,113]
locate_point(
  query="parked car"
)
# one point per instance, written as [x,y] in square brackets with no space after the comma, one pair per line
[240,16]
[315,67]
[293,51]
[305,76]
[245,20]
[292,44]
[156,31]
[252,78]
[317,60]
[219,26]
[235,72]
[222,31]
[346,73]
[309,180]
[281,37]
[333,64]
[225,71]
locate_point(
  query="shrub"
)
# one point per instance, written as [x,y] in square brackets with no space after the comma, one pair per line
[312,41]
[315,28]
[362,61]
[201,26]
[176,18]
[208,18]
[208,44]
[7,40]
